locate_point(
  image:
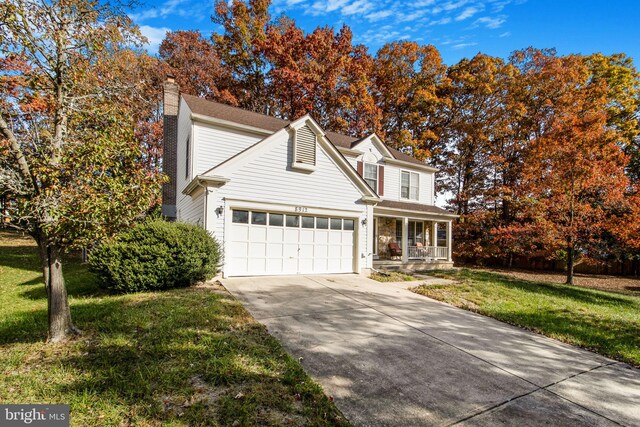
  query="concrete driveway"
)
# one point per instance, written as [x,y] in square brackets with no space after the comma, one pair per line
[393,358]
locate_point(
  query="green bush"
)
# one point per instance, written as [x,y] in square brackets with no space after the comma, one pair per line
[156,255]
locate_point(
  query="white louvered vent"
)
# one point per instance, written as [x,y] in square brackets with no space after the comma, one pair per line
[305,146]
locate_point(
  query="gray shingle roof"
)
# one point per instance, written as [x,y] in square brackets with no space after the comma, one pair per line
[262,121]
[408,206]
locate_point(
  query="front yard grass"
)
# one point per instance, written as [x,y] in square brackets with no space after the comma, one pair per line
[605,322]
[184,357]
[393,276]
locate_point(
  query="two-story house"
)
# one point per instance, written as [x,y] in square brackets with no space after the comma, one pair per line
[288,197]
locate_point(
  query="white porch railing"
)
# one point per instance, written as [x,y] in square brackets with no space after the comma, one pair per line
[428,252]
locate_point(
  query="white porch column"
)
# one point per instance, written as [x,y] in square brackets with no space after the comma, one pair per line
[369,252]
[449,240]
[405,239]
[434,234]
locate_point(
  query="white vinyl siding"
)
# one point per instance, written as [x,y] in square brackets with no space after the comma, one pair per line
[305,146]
[192,210]
[215,144]
[188,209]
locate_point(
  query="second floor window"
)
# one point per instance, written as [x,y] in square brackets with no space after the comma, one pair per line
[371,175]
[188,160]
[409,185]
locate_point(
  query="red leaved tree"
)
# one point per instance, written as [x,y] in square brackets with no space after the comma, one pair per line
[574,177]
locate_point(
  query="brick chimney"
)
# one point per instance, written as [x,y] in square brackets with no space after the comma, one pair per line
[170,146]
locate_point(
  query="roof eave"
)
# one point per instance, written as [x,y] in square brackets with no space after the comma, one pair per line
[411,165]
[202,180]
[229,124]
[417,212]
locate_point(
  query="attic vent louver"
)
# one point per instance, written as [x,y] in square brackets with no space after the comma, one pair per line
[305,141]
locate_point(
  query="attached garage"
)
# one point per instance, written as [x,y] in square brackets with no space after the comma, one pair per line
[272,243]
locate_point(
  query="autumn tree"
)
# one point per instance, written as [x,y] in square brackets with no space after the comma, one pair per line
[409,84]
[72,94]
[197,67]
[476,126]
[238,46]
[622,82]
[575,173]
[320,73]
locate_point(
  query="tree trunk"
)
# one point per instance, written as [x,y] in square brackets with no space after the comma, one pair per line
[570,262]
[44,260]
[60,326]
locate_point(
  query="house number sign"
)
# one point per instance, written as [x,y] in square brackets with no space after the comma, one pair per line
[301,209]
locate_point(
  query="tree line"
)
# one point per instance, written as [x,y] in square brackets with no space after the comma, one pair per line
[539,152]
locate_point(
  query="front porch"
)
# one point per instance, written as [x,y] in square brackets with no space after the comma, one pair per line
[412,265]
[411,242]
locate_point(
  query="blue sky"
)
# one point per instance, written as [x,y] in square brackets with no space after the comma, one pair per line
[458,28]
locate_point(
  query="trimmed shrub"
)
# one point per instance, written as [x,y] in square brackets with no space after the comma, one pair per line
[156,255]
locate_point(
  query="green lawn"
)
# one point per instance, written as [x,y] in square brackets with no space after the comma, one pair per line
[393,276]
[183,357]
[605,322]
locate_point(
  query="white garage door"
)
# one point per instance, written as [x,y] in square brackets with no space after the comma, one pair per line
[263,243]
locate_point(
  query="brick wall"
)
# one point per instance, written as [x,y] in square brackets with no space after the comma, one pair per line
[170,146]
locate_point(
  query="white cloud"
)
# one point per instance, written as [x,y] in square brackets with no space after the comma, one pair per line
[463,45]
[468,12]
[358,6]
[506,34]
[442,21]
[171,8]
[449,6]
[379,15]
[491,22]
[320,6]
[422,3]
[154,36]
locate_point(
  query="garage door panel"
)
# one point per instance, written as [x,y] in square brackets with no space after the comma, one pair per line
[333,264]
[258,234]
[335,237]
[258,266]
[274,248]
[291,235]
[347,252]
[257,250]
[274,266]
[321,251]
[306,266]
[238,265]
[322,236]
[320,265]
[306,236]
[290,266]
[306,251]
[290,250]
[239,249]
[275,234]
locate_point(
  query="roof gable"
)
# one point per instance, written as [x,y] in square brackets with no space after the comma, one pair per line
[260,148]
[370,143]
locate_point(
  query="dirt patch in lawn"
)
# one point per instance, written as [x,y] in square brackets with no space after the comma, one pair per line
[628,285]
